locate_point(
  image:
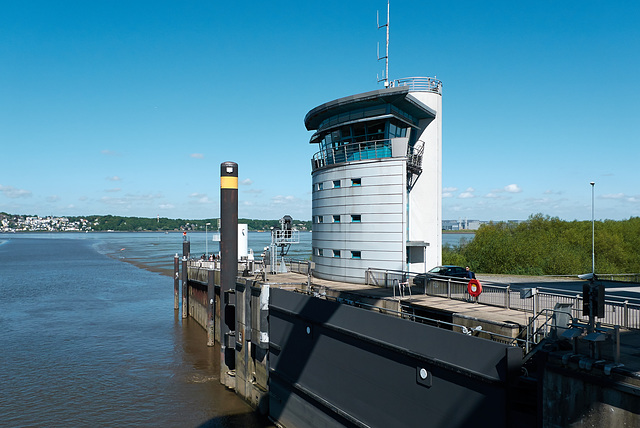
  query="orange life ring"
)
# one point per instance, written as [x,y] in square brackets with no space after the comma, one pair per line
[474,288]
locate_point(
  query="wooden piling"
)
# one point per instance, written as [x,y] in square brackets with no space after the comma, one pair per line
[211,294]
[185,285]
[176,282]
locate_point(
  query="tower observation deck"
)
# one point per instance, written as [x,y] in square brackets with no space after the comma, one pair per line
[376,197]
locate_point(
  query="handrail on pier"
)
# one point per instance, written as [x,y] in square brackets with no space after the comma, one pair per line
[622,311]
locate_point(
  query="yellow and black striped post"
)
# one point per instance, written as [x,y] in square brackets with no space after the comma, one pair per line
[228,261]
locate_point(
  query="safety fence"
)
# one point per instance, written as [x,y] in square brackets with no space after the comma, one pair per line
[619,310]
[350,152]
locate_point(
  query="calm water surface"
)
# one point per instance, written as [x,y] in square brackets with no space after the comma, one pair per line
[86,340]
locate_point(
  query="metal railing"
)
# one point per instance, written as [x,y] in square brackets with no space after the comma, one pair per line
[364,150]
[622,311]
[431,321]
[425,84]
[299,266]
[620,277]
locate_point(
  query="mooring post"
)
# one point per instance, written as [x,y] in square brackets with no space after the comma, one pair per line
[186,249]
[228,267]
[176,282]
[211,294]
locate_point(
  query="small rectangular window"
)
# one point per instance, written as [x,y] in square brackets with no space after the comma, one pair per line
[355,254]
[319,186]
[356,181]
[319,219]
[336,184]
[356,218]
[336,219]
[336,253]
[318,252]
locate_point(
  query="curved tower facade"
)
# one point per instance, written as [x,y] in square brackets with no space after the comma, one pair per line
[376,198]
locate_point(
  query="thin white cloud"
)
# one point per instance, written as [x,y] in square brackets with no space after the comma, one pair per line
[200,198]
[12,192]
[115,189]
[129,199]
[166,206]
[114,178]
[197,155]
[613,196]
[512,188]
[447,195]
[53,198]
[246,182]
[110,153]
[449,189]
[280,199]
[467,193]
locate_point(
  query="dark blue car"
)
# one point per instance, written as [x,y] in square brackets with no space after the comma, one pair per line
[443,272]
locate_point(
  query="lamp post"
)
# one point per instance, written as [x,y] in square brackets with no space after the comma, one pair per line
[206,239]
[593,231]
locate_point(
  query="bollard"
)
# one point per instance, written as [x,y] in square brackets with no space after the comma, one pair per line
[176,282]
[228,264]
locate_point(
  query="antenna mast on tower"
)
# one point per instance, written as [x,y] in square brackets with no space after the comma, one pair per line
[385,77]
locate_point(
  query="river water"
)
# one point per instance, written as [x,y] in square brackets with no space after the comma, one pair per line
[86,340]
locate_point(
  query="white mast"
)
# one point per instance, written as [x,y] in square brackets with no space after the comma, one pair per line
[385,76]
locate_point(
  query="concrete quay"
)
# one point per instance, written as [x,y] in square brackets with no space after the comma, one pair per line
[496,322]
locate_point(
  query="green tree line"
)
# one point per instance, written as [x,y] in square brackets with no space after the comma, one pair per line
[128,224]
[545,245]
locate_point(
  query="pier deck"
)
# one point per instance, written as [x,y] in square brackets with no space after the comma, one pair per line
[493,319]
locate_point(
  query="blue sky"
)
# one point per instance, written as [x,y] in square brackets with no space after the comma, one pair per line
[129,107]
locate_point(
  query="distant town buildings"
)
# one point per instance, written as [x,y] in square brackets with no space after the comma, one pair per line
[21,223]
[18,223]
[10,223]
[469,224]
[462,224]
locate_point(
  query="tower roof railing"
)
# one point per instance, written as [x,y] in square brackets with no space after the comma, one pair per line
[424,84]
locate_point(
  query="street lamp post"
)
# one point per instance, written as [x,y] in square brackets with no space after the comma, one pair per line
[206,239]
[593,231]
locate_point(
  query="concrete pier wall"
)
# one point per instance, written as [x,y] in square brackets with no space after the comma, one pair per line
[577,395]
